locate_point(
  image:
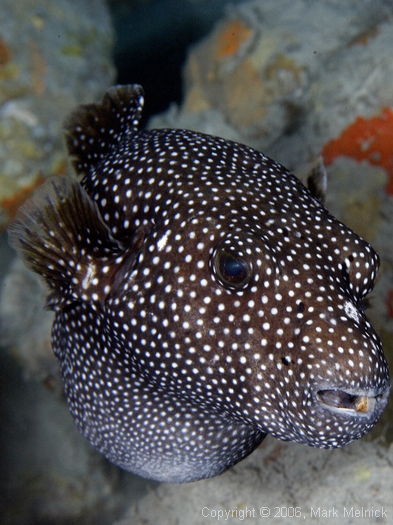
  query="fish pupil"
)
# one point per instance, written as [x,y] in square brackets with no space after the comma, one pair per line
[232,270]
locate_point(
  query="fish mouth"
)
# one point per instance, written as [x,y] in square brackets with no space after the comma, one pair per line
[351,404]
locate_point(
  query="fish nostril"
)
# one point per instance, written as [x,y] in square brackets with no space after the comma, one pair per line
[344,400]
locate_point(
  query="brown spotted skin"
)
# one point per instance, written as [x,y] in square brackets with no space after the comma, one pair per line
[209,300]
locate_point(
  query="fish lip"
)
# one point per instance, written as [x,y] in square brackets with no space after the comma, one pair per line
[359,404]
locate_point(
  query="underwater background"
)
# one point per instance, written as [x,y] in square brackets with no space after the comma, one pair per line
[292,78]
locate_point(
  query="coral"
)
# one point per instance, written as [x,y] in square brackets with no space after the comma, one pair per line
[369,139]
[52,57]
[5,53]
[232,36]
[11,204]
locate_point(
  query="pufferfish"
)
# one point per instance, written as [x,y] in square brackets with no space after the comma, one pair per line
[203,298]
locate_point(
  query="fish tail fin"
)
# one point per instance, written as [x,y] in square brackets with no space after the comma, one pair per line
[59,233]
[93,130]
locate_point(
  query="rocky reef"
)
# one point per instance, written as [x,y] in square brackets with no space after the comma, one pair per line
[295,79]
[53,56]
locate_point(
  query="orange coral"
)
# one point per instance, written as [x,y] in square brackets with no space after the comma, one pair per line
[38,69]
[366,139]
[5,53]
[11,204]
[233,36]
[364,37]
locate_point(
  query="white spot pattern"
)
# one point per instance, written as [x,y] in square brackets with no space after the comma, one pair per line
[241,307]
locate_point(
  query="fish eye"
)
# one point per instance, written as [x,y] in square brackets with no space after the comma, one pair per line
[232,270]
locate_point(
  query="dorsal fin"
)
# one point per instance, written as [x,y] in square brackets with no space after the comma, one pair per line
[317,181]
[94,130]
[59,233]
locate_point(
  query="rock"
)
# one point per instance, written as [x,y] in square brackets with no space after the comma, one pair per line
[279,483]
[25,326]
[52,57]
